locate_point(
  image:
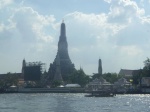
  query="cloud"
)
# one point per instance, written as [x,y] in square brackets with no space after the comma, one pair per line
[24,33]
[124,11]
[108,1]
[119,37]
[32,25]
[4,3]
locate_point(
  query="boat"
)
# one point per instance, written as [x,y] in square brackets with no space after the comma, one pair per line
[99,88]
[100,93]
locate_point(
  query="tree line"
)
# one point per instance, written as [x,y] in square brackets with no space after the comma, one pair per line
[79,77]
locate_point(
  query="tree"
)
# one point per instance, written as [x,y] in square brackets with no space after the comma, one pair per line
[79,77]
[147,64]
[56,83]
[96,75]
[136,77]
[111,77]
[145,72]
[8,80]
[146,68]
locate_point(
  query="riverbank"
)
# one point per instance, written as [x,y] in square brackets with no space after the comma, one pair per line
[60,90]
[45,90]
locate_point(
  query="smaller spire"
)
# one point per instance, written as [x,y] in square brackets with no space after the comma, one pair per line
[24,62]
[100,67]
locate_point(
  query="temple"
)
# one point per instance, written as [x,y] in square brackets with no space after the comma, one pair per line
[65,67]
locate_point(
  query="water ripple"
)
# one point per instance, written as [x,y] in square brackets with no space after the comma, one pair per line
[51,102]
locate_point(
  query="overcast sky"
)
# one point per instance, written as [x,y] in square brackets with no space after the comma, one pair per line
[117,31]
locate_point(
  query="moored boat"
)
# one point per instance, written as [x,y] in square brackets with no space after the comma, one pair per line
[100,93]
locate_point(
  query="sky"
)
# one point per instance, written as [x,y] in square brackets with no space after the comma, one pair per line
[116,31]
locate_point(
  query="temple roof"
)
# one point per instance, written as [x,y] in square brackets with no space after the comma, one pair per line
[128,73]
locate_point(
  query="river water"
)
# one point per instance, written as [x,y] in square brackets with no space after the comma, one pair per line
[56,102]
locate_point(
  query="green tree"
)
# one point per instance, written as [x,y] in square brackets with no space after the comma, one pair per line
[146,68]
[56,83]
[137,75]
[111,77]
[145,72]
[8,80]
[147,64]
[79,77]
[95,75]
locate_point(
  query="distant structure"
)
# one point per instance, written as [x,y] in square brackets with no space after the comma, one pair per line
[23,66]
[32,70]
[65,67]
[99,83]
[122,85]
[100,71]
[100,67]
[126,73]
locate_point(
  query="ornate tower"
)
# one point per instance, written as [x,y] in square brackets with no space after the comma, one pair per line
[66,66]
[62,44]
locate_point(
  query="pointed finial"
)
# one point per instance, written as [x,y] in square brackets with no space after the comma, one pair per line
[62,20]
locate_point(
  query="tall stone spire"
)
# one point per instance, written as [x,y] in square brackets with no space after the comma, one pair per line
[66,66]
[100,67]
[62,44]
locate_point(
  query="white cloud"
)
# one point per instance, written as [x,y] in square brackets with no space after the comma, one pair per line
[119,37]
[145,19]
[4,3]
[131,51]
[24,33]
[108,1]
[124,11]
[32,25]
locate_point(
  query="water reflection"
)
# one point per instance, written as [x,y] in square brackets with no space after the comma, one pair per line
[64,103]
[73,103]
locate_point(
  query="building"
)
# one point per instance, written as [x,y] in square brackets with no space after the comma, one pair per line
[72,86]
[145,84]
[122,85]
[126,73]
[32,71]
[66,66]
[99,84]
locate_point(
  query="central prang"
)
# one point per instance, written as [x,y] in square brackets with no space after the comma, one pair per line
[62,66]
